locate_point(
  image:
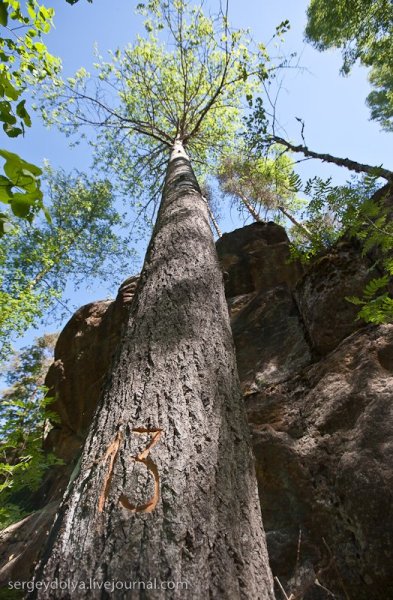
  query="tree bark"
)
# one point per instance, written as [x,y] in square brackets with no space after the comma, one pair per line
[166,492]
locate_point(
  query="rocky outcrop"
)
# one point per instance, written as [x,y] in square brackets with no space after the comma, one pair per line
[259,281]
[324,452]
[83,354]
[321,296]
[317,386]
[257,257]
[21,545]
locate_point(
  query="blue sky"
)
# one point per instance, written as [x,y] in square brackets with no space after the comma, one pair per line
[333,108]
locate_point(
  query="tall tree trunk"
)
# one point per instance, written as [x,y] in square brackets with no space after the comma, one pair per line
[166,491]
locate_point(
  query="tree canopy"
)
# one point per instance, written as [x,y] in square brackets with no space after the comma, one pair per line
[193,78]
[363,29]
[269,181]
[24,415]
[186,79]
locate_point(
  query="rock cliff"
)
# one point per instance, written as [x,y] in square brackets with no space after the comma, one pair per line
[317,386]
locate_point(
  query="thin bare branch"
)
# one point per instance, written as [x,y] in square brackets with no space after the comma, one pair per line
[341,162]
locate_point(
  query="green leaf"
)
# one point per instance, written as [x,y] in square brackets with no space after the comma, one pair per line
[5,189]
[23,114]
[375,285]
[40,47]
[5,113]
[354,300]
[10,90]
[21,205]
[4,224]
[3,13]
[12,131]
[14,164]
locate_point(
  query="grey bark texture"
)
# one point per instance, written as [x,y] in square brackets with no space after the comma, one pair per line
[166,491]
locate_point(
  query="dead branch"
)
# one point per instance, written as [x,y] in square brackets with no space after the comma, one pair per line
[341,162]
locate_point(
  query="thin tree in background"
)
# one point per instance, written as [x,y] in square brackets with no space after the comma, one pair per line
[262,182]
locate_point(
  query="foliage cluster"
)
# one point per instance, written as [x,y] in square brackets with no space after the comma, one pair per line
[260,181]
[187,78]
[360,210]
[22,54]
[82,240]
[24,421]
[363,29]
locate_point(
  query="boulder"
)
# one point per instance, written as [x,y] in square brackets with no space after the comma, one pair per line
[21,544]
[256,257]
[266,324]
[269,337]
[83,355]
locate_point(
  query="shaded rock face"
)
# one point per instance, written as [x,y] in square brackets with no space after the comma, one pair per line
[321,296]
[269,336]
[21,544]
[317,386]
[83,354]
[266,324]
[256,258]
[324,454]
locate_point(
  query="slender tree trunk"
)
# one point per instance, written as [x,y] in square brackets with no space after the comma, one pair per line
[212,218]
[303,228]
[250,207]
[166,491]
[257,218]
